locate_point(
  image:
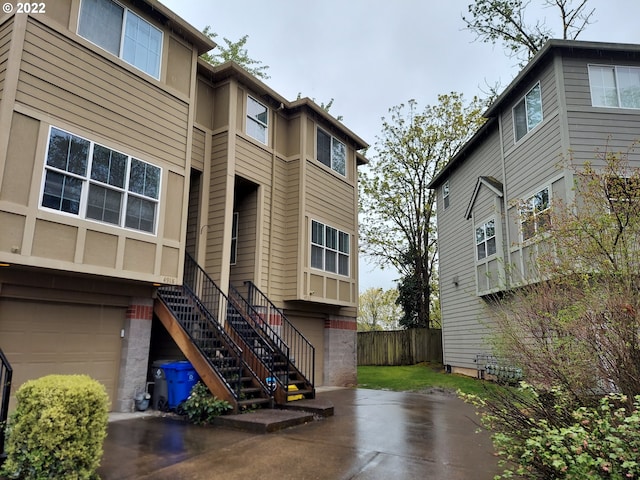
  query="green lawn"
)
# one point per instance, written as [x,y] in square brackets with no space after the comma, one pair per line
[423,376]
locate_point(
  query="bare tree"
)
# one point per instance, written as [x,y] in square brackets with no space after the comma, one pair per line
[504,21]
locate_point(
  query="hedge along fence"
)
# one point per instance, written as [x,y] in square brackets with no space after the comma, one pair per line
[400,347]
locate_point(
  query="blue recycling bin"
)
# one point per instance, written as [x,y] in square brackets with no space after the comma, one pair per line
[181,377]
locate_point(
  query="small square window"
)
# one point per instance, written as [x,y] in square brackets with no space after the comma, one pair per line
[331,152]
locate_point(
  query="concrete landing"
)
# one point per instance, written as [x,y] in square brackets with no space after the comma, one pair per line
[316,406]
[264,421]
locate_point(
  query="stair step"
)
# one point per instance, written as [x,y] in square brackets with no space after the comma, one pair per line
[254,401]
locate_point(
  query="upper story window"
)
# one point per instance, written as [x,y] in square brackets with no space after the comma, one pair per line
[92,181]
[329,249]
[535,214]
[614,86]
[257,120]
[486,240]
[123,33]
[331,152]
[445,194]
[528,112]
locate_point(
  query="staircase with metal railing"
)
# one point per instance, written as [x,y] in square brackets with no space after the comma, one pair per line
[299,370]
[191,313]
[230,342]
[6,373]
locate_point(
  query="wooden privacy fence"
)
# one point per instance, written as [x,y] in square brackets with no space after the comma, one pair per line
[400,347]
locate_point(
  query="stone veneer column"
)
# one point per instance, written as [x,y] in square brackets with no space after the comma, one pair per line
[134,356]
[340,351]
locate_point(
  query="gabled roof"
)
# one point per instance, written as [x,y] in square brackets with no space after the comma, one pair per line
[217,73]
[569,48]
[490,182]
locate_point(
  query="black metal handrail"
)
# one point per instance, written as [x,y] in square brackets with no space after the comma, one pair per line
[302,353]
[184,315]
[6,374]
[218,304]
[266,334]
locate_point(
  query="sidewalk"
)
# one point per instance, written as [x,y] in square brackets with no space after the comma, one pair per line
[373,435]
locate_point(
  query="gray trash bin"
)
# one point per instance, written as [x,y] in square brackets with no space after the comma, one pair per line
[160,397]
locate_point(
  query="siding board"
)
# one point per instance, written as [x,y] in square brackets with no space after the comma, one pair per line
[135,112]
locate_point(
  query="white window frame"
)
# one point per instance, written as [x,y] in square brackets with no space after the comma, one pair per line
[485,227]
[340,250]
[123,29]
[529,210]
[596,70]
[334,165]
[445,194]
[234,238]
[524,104]
[86,181]
[254,120]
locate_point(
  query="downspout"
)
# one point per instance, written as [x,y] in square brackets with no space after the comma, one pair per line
[272,205]
[505,201]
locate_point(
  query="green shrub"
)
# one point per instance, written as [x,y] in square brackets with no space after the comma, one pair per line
[202,407]
[545,435]
[57,429]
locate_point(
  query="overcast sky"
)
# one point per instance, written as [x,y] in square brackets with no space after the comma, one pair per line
[371,55]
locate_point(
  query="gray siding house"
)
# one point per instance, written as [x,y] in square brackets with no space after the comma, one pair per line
[573,97]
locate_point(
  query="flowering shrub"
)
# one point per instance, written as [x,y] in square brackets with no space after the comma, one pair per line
[601,441]
[202,407]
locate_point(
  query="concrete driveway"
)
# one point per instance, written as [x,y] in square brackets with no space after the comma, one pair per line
[373,435]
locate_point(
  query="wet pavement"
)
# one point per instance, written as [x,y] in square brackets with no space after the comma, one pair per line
[373,435]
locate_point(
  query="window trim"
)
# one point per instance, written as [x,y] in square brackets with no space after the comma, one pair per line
[120,54]
[526,116]
[331,158]
[249,118]
[87,181]
[337,250]
[616,82]
[483,225]
[535,214]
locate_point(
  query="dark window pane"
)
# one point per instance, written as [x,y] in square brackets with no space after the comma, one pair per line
[324,148]
[343,264]
[140,214]
[317,259]
[330,261]
[104,204]
[144,179]
[520,120]
[332,238]
[67,152]
[481,251]
[317,233]
[491,246]
[108,166]
[344,243]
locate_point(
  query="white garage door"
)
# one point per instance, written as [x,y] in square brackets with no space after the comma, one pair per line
[41,338]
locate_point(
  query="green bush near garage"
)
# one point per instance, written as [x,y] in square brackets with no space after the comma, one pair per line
[57,429]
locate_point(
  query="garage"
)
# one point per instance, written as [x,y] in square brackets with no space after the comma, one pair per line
[41,338]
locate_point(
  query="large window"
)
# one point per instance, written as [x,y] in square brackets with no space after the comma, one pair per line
[614,86]
[331,152]
[534,214]
[329,249]
[123,33]
[257,120]
[486,240]
[528,112]
[92,181]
